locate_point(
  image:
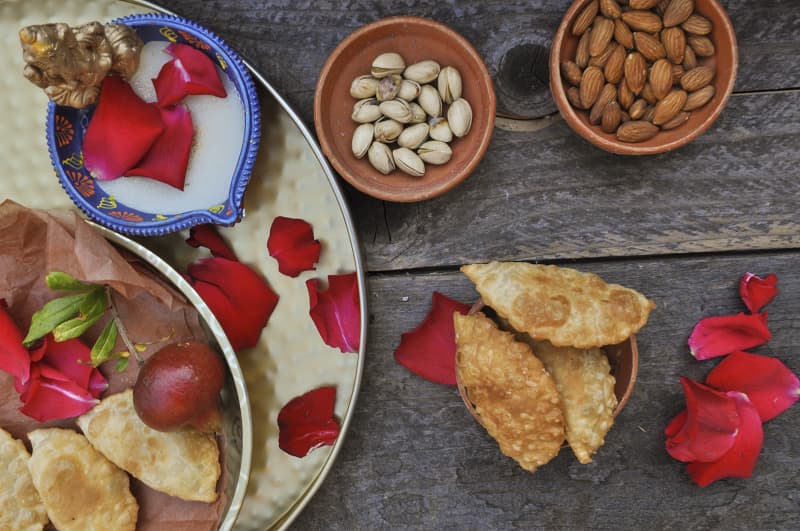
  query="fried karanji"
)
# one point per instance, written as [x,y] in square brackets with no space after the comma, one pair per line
[81,490]
[21,507]
[182,463]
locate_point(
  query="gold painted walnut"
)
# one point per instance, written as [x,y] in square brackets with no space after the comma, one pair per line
[71,63]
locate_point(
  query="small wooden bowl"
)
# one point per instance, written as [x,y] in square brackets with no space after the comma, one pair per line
[725,63]
[415,39]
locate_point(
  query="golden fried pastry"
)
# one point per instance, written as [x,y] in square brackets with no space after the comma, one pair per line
[21,508]
[586,386]
[179,463]
[564,306]
[81,489]
[516,398]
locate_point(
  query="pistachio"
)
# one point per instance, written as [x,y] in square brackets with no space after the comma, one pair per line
[435,152]
[449,84]
[408,162]
[409,90]
[430,101]
[440,129]
[362,139]
[397,109]
[459,116]
[418,113]
[363,87]
[366,110]
[387,130]
[388,87]
[387,64]
[413,136]
[422,72]
[380,156]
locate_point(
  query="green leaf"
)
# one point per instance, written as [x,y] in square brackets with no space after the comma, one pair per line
[102,348]
[56,280]
[91,309]
[122,364]
[53,314]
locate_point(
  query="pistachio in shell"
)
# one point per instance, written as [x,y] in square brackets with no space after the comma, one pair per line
[380,156]
[397,109]
[440,129]
[459,116]
[363,87]
[435,152]
[449,84]
[362,139]
[388,87]
[413,136]
[409,90]
[366,110]
[418,113]
[387,130]
[408,162]
[430,101]
[423,71]
[387,64]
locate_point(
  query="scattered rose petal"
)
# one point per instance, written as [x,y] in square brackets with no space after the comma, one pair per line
[238,297]
[72,359]
[740,460]
[51,396]
[717,336]
[14,358]
[207,236]
[168,157]
[708,428]
[430,349]
[757,292]
[291,242]
[122,130]
[770,385]
[190,72]
[336,312]
[306,422]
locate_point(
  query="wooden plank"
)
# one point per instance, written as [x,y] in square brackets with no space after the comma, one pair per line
[415,459]
[289,41]
[548,194]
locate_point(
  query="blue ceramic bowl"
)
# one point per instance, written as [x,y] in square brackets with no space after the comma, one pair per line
[66,128]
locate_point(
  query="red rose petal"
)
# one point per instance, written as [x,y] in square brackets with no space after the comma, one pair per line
[306,422]
[208,237]
[757,292]
[717,336]
[122,130]
[242,300]
[430,349]
[710,426]
[336,312]
[72,359]
[51,397]
[14,358]
[740,460]
[190,72]
[291,242]
[168,158]
[770,385]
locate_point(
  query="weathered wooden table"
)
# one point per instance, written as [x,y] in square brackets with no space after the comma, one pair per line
[680,227]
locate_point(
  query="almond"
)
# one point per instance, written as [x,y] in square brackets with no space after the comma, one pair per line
[591,84]
[679,119]
[669,107]
[642,4]
[612,115]
[582,51]
[697,78]
[677,12]
[610,8]
[607,95]
[602,31]
[635,71]
[697,99]
[648,94]
[689,59]
[674,41]
[624,117]
[637,109]
[601,60]
[677,73]
[649,46]
[661,78]
[574,97]
[702,46]
[697,25]
[571,72]
[642,21]
[649,112]
[661,6]
[623,34]
[636,131]
[624,95]
[616,62]
[585,18]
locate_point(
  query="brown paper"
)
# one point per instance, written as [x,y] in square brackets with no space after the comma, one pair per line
[34,243]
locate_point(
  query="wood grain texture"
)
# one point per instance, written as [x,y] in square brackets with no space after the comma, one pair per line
[415,459]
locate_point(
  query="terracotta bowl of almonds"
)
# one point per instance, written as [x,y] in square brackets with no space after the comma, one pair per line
[640,77]
[404,109]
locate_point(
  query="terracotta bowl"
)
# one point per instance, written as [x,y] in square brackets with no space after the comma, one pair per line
[725,62]
[415,39]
